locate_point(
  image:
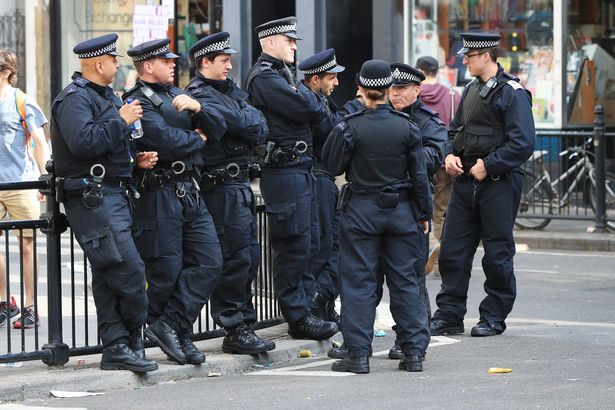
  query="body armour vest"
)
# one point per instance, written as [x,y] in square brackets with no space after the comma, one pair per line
[379,154]
[481,132]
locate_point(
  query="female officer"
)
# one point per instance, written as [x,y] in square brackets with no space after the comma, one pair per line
[380,151]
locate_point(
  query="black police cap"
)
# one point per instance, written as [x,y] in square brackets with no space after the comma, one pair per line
[375,74]
[151,49]
[322,62]
[427,64]
[286,26]
[97,46]
[478,40]
[215,43]
[404,74]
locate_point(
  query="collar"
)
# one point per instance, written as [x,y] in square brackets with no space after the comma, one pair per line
[275,62]
[220,85]
[498,74]
[157,87]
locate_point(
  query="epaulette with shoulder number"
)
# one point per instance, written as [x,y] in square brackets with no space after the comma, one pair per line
[401,114]
[354,114]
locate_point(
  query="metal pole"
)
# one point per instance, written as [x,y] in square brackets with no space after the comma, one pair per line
[55,43]
[600,224]
[57,224]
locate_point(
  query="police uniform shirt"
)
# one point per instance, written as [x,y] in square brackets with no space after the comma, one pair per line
[338,154]
[514,105]
[170,132]
[289,109]
[87,129]
[433,132]
[246,126]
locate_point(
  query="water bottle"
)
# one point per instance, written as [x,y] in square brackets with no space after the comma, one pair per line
[137,130]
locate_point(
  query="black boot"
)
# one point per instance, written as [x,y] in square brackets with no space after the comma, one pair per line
[192,353]
[411,363]
[338,352]
[440,327]
[352,364]
[135,342]
[332,315]
[395,353]
[166,338]
[320,306]
[243,340]
[311,327]
[120,357]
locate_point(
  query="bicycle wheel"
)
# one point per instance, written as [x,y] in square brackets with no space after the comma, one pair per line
[609,195]
[536,201]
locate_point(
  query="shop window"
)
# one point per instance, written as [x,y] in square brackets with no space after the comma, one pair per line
[526,28]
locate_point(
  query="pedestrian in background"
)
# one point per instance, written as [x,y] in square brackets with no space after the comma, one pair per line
[23,154]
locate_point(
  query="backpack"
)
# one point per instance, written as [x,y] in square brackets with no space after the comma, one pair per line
[20,100]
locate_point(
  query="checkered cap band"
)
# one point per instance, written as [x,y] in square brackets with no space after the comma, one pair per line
[403,75]
[376,82]
[101,51]
[270,31]
[219,46]
[480,43]
[322,68]
[145,56]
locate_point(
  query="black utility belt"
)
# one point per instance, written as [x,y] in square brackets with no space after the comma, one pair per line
[281,155]
[384,199]
[230,172]
[77,184]
[156,178]
[467,177]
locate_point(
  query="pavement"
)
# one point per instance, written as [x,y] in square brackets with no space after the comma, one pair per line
[34,380]
[31,380]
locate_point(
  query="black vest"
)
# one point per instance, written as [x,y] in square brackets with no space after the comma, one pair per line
[380,146]
[481,132]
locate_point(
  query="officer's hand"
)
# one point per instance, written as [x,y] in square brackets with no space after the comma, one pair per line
[131,112]
[425,226]
[201,134]
[453,166]
[40,196]
[185,102]
[478,171]
[147,159]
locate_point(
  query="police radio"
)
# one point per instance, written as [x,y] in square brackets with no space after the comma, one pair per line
[489,85]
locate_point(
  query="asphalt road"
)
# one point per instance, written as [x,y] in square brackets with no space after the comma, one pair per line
[560,345]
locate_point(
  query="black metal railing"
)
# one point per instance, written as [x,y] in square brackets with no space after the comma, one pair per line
[571,175]
[66,310]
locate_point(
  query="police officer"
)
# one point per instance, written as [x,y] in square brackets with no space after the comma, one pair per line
[492,136]
[405,98]
[321,76]
[173,230]
[287,182]
[226,189]
[380,151]
[91,140]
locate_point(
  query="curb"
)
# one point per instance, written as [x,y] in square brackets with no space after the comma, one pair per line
[592,242]
[38,380]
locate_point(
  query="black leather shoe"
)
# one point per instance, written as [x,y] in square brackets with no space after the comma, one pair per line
[311,327]
[243,340]
[413,363]
[192,353]
[135,342]
[349,364]
[320,306]
[338,352]
[484,329]
[121,357]
[395,352]
[166,338]
[440,327]
[332,315]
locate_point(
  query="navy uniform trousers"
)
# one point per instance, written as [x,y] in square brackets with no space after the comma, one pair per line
[177,241]
[233,210]
[479,211]
[291,204]
[118,280]
[374,240]
[325,266]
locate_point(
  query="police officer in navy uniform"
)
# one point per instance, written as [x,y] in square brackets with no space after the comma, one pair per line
[492,135]
[321,76]
[287,182]
[226,190]
[172,228]
[380,151]
[405,98]
[91,140]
